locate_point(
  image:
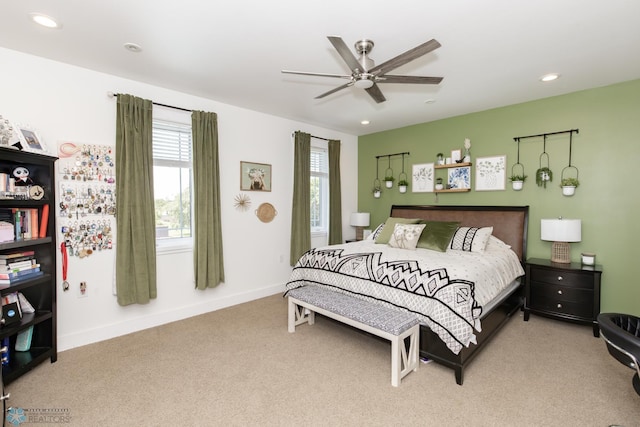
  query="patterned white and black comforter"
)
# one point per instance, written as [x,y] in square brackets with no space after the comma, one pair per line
[447,290]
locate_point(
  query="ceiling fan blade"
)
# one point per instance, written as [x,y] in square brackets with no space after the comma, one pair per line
[334,90]
[345,53]
[409,79]
[376,94]
[406,57]
[304,73]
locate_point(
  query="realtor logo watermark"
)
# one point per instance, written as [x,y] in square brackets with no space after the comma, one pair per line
[23,416]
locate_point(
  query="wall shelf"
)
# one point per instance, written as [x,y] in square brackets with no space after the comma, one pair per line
[453,190]
[452,165]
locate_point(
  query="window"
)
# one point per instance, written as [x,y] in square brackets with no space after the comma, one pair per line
[319,191]
[172,180]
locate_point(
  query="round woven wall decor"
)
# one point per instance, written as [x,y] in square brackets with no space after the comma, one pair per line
[266,212]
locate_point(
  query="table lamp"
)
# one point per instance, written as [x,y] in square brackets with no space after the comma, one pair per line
[561,231]
[359,220]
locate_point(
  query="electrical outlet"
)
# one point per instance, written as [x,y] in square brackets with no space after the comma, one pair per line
[82,290]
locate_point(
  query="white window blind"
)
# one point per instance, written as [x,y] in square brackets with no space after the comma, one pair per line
[171,144]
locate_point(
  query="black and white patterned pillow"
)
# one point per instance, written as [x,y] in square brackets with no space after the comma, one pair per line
[375,233]
[471,239]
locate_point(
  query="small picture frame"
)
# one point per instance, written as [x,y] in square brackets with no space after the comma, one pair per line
[30,140]
[456,155]
[255,176]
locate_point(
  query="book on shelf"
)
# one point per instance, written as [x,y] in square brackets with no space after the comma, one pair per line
[23,339]
[35,268]
[7,258]
[26,222]
[20,276]
[17,266]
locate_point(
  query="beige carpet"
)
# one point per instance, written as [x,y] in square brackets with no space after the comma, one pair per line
[239,366]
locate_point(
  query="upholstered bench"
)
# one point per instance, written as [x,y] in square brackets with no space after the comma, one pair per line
[389,323]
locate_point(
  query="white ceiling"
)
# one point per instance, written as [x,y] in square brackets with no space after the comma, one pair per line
[493,51]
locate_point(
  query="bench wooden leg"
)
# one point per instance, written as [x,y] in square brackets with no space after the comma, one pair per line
[299,314]
[404,361]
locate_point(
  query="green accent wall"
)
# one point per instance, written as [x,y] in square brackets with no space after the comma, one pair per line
[606,152]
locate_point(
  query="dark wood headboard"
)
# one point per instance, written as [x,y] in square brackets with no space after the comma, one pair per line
[510,223]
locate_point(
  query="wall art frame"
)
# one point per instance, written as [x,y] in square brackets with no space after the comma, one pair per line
[422,177]
[491,173]
[30,140]
[255,176]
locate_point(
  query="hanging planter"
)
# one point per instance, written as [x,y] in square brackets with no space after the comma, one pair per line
[569,184]
[377,191]
[517,179]
[544,174]
[388,175]
[403,184]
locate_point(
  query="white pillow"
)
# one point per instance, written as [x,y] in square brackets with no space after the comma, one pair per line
[471,239]
[405,236]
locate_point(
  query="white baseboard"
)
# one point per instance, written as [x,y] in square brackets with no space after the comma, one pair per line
[78,339]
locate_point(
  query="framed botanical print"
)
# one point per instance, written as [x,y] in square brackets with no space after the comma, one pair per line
[491,173]
[422,178]
[255,176]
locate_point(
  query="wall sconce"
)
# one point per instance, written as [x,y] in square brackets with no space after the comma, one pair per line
[561,231]
[359,220]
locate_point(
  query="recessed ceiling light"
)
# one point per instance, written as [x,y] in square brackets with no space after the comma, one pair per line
[550,77]
[44,20]
[132,47]
[365,122]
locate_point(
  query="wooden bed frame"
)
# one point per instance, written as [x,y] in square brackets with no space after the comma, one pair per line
[510,224]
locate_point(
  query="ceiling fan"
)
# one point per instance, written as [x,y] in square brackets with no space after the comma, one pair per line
[366,75]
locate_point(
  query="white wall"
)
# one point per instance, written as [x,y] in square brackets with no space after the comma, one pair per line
[67,103]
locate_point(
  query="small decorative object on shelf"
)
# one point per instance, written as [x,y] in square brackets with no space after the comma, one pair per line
[467,150]
[440,158]
[439,185]
[588,258]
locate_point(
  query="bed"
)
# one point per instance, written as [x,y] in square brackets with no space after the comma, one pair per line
[462,295]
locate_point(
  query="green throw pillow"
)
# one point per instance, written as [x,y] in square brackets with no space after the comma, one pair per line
[437,235]
[389,225]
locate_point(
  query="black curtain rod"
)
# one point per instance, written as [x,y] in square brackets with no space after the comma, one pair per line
[313,136]
[391,155]
[517,138]
[159,104]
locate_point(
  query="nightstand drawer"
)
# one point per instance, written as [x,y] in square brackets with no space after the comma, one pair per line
[581,307]
[562,293]
[565,278]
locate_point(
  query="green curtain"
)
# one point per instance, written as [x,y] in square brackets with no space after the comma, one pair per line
[207,242]
[335,196]
[135,219]
[301,211]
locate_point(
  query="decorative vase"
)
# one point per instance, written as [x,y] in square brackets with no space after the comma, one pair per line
[402,188]
[388,184]
[568,190]
[517,185]
[376,194]
[439,186]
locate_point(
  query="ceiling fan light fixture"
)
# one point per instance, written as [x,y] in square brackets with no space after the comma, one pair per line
[363,83]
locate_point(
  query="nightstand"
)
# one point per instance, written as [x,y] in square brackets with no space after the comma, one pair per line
[563,291]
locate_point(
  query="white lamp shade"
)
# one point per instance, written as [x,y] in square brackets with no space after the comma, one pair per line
[360,219]
[561,230]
